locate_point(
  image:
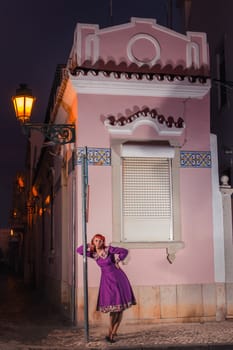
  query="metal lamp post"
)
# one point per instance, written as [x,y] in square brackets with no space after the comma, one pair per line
[23,102]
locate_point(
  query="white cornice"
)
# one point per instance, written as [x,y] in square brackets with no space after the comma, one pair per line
[110,86]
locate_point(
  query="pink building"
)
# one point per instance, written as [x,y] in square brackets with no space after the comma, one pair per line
[138,94]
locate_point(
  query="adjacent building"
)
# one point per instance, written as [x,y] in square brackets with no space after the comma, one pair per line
[218,26]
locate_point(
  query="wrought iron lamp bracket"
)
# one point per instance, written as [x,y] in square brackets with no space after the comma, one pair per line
[57,133]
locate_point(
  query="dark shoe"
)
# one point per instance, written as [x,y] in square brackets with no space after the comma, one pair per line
[109,339]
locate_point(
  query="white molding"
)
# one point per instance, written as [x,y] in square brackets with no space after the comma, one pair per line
[192,55]
[151,21]
[95,36]
[160,28]
[92,47]
[204,44]
[129,128]
[147,151]
[217,205]
[154,42]
[172,247]
[144,87]
[134,20]
[77,44]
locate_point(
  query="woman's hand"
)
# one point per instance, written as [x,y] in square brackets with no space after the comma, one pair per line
[117,260]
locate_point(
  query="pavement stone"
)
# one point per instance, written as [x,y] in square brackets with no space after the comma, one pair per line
[27,322]
[198,336]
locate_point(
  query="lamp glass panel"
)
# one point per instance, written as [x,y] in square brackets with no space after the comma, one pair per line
[23,107]
[19,106]
[28,106]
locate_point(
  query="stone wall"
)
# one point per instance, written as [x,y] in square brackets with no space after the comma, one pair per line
[161,304]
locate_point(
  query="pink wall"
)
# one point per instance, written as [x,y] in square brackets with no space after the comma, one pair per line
[92,120]
[197,120]
[194,263]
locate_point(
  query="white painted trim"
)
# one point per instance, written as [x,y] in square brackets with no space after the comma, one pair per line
[192,55]
[81,26]
[151,21]
[132,24]
[115,28]
[92,48]
[144,87]
[129,128]
[201,35]
[147,151]
[159,27]
[204,44]
[171,247]
[77,45]
[154,42]
[217,205]
[97,32]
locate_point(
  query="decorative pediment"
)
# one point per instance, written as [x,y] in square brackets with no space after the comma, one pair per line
[163,126]
[140,42]
[139,58]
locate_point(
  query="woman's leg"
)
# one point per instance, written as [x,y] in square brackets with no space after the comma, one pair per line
[118,319]
[113,319]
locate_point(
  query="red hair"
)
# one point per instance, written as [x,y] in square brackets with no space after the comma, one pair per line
[97,235]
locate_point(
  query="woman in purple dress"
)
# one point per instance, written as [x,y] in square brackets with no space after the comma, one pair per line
[115,291]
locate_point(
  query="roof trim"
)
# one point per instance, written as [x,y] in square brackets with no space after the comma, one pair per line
[104,82]
[156,82]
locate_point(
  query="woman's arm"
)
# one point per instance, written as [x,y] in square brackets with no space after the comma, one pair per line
[121,252]
[79,250]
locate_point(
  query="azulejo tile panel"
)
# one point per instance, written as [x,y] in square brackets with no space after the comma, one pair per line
[195,159]
[102,157]
[95,156]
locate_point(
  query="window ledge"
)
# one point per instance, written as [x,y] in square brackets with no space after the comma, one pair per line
[171,247]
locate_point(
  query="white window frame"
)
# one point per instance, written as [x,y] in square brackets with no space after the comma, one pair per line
[118,151]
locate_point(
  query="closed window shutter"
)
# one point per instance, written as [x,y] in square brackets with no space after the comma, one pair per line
[147,199]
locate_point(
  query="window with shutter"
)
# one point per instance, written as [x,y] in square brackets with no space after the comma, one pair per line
[146,196]
[146,199]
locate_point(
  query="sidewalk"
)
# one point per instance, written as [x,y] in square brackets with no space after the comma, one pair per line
[27,322]
[157,336]
[135,337]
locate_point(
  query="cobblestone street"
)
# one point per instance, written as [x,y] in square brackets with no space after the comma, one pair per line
[28,323]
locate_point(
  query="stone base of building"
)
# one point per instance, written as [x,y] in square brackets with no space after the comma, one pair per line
[164,304]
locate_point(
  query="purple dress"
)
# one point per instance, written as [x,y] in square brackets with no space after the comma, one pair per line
[115,291]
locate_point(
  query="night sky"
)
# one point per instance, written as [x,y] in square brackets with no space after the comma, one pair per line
[36,36]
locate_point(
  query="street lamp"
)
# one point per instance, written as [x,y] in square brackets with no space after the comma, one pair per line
[23,102]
